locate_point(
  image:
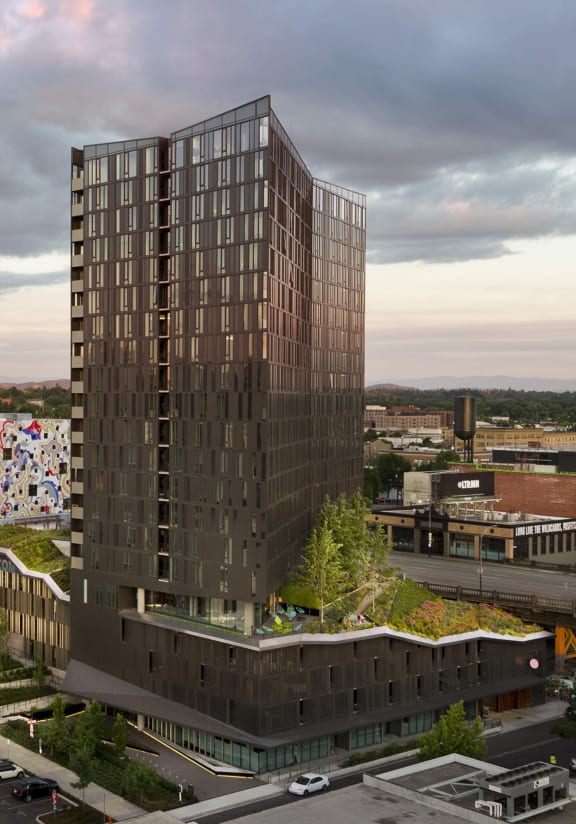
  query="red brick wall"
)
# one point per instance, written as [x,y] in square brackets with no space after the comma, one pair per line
[533,493]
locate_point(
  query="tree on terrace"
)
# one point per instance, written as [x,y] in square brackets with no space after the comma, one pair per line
[321,570]
[345,518]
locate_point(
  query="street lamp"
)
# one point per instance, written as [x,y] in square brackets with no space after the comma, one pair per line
[480,568]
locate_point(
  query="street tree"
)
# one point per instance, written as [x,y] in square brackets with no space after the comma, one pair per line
[391,467]
[83,765]
[56,732]
[119,735]
[453,733]
[88,729]
[139,780]
[371,483]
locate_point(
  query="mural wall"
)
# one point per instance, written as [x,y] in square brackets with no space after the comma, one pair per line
[34,467]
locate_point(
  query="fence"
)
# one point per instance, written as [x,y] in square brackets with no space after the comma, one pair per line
[533,603]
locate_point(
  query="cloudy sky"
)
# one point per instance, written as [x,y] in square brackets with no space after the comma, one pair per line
[456,117]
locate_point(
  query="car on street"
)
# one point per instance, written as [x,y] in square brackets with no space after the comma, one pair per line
[309,783]
[10,770]
[570,712]
[572,765]
[31,788]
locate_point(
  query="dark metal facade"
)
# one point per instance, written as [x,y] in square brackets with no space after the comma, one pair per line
[217,380]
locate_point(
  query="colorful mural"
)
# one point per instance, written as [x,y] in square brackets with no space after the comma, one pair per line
[35,468]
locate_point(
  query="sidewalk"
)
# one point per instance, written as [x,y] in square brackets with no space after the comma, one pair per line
[95,796]
[173,765]
[515,719]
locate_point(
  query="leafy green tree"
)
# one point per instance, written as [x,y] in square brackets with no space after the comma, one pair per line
[391,468]
[88,729]
[346,520]
[375,568]
[83,764]
[321,569]
[370,435]
[119,735]
[371,483]
[452,733]
[441,462]
[39,672]
[139,780]
[56,732]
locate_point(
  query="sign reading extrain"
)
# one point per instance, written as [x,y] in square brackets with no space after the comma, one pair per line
[458,484]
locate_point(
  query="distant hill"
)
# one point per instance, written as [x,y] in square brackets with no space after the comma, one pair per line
[479,382]
[22,383]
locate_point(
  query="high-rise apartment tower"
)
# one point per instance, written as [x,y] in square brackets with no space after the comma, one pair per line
[217,388]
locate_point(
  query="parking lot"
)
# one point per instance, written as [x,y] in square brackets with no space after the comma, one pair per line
[14,810]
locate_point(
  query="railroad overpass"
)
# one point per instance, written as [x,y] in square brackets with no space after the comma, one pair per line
[527,592]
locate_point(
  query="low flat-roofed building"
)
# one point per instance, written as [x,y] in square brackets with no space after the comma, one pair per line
[459,515]
[37,605]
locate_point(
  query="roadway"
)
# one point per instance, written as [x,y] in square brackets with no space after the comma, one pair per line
[499,577]
[513,749]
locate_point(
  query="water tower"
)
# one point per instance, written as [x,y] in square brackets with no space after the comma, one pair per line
[465,423]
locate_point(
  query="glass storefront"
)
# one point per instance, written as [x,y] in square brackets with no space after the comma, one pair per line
[247,757]
[403,539]
[240,755]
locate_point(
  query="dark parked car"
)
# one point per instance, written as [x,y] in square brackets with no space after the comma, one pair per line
[34,787]
[571,712]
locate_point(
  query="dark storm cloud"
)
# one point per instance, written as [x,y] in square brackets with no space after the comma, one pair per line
[11,281]
[457,118]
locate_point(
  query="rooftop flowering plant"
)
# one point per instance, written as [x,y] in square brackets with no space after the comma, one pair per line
[437,618]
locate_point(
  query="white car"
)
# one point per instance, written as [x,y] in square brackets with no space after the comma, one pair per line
[10,770]
[309,783]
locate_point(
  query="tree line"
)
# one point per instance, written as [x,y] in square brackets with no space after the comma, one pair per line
[38,401]
[521,406]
